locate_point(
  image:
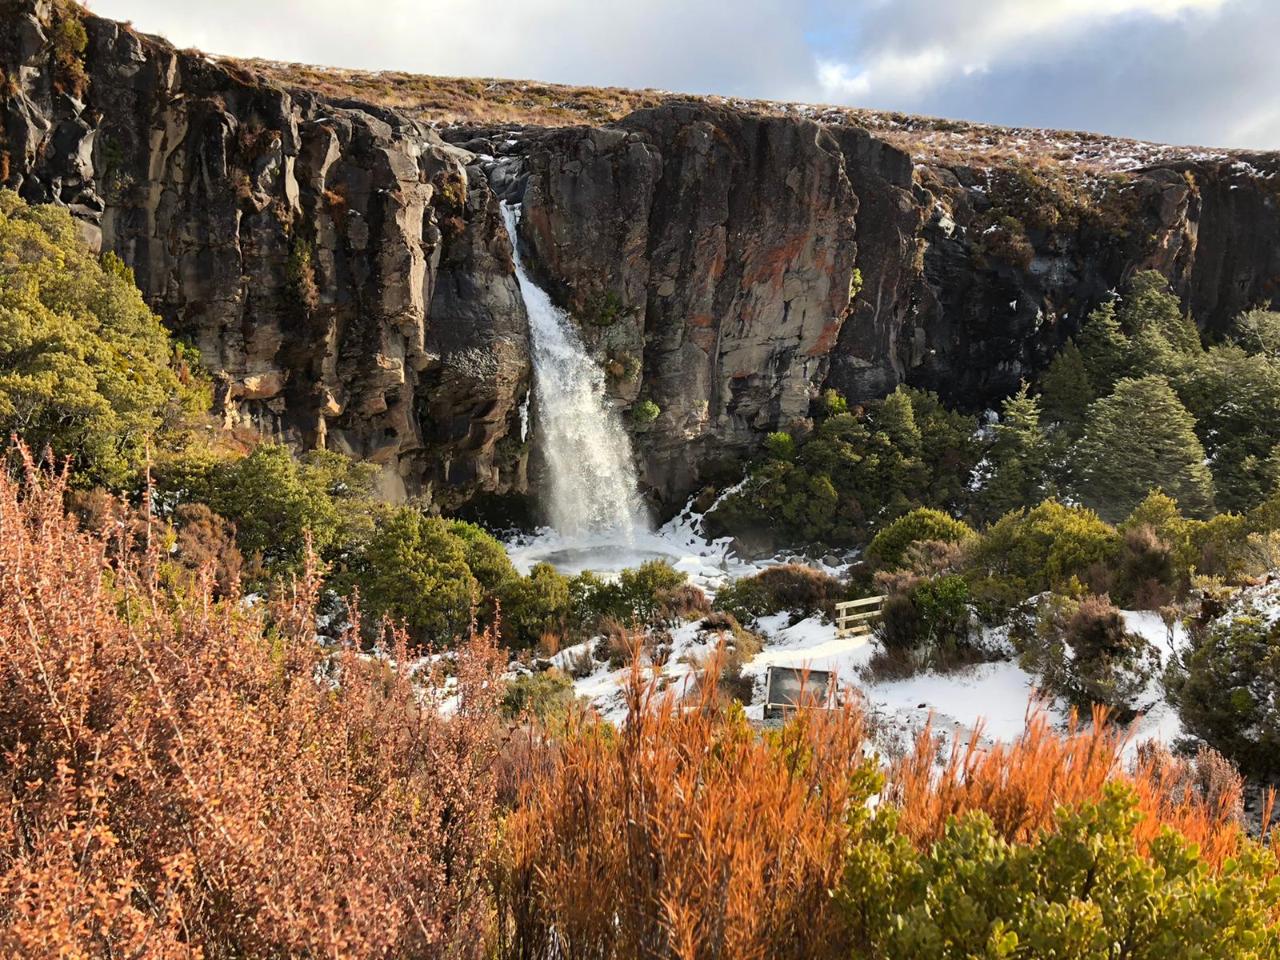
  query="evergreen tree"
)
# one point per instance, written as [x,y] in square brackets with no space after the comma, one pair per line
[1104,348]
[1065,389]
[1235,398]
[1018,458]
[1258,332]
[1149,307]
[1138,438]
[897,418]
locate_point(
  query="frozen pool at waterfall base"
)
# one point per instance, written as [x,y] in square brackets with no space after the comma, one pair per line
[708,563]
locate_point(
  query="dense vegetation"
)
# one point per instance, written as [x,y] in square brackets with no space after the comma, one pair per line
[1141,473]
[188,774]
[858,470]
[85,368]
[1135,402]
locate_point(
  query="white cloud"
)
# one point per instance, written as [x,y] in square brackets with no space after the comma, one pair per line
[754,47]
[973,36]
[908,74]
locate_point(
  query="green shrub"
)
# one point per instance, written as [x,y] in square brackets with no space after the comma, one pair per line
[780,446]
[854,472]
[486,557]
[436,575]
[925,623]
[277,500]
[534,605]
[414,570]
[1083,888]
[1147,574]
[834,403]
[1083,652]
[888,548]
[640,596]
[1227,688]
[1029,552]
[792,588]
[644,412]
[545,697]
[643,589]
[85,367]
[604,309]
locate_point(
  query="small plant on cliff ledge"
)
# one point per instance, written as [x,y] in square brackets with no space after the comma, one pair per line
[603,309]
[622,367]
[69,41]
[300,272]
[645,412]
[9,87]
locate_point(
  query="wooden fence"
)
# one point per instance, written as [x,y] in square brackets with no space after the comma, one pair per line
[856,618]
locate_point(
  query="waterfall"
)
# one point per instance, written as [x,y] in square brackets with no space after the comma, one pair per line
[591,484]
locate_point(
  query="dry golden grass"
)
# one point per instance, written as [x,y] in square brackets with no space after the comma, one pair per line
[486,101]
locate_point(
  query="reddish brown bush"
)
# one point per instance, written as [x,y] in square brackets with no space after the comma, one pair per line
[184,777]
[686,835]
[1020,785]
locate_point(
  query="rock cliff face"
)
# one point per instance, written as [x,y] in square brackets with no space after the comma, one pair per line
[344,270]
[710,255]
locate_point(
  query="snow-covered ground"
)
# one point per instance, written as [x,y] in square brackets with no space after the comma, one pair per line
[997,695]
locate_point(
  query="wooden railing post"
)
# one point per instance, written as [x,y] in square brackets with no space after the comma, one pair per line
[858,617]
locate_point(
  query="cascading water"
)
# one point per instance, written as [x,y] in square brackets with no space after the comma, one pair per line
[591,489]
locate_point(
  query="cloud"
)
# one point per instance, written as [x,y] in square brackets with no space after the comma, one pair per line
[916,45]
[1187,71]
[730,46]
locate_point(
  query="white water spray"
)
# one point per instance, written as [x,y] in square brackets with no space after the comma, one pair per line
[591,488]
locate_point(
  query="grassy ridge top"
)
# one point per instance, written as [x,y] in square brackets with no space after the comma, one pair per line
[487,101]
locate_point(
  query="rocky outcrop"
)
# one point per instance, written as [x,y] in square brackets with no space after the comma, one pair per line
[973,277]
[344,270]
[726,250]
[710,252]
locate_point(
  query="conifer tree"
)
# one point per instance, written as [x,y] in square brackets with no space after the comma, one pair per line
[1138,438]
[1018,458]
[1105,349]
[1065,389]
[898,421]
[1149,307]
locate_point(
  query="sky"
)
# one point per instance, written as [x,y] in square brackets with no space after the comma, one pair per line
[1203,72]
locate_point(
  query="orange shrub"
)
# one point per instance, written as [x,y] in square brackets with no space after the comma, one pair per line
[685,835]
[184,778]
[1021,784]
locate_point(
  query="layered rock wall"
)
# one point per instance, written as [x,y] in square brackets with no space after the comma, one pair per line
[344,272]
